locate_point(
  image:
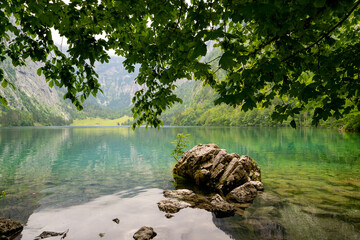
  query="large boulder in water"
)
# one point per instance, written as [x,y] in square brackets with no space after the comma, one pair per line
[215,169]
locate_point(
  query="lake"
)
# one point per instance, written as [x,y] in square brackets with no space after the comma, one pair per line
[60,178]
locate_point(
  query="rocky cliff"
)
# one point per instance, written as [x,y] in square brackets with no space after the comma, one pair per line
[32,95]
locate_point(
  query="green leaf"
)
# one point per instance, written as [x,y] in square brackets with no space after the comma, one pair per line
[227,61]
[270,45]
[248,105]
[4,83]
[293,124]
[3,101]
[39,71]
[215,34]
[199,50]
[12,86]
[319,3]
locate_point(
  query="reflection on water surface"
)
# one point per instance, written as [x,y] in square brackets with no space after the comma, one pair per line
[81,178]
[134,210]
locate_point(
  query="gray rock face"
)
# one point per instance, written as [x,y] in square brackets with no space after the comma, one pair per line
[172,205]
[221,208]
[214,168]
[30,87]
[179,194]
[216,204]
[9,229]
[236,180]
[145,233]
[258,185]
[243,194]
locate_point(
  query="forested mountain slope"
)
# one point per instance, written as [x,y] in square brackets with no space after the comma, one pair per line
[199,109]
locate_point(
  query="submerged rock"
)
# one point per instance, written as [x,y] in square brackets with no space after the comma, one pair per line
[252,228]
[215,169]
[101,235]
[9,229]
[145,233]
[266,229]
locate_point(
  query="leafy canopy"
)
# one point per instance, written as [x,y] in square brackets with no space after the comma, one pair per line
[306,52]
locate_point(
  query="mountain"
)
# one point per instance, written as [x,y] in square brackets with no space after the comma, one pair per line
[117,84]
[32,101]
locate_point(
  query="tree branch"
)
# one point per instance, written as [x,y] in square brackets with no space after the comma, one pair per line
[324,35]
[310,19]
[180,13]
[306,25]
[213,59]
[264,45]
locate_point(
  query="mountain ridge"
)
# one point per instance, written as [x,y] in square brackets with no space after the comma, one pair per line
[33,102]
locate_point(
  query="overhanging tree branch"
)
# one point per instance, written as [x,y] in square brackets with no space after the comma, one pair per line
[324,35]
[275,38]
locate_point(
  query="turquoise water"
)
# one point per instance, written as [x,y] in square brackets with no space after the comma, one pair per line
[81,178]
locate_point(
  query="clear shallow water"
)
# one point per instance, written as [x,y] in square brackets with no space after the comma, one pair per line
[81,178]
